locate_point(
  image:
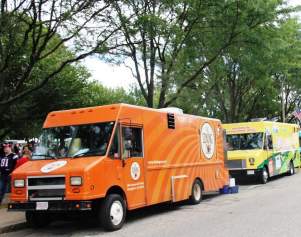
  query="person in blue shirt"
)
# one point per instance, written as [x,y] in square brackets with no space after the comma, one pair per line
[8,162]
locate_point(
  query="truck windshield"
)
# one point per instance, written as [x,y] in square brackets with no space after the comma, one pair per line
[74,141]
[248,141]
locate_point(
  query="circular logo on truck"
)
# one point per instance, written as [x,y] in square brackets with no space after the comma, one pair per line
[207,140]
[53,166]
[135,171]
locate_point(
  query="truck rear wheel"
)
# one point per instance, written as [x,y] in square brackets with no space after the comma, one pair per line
[37,219]
[291,168]
[112,212]
[196,192]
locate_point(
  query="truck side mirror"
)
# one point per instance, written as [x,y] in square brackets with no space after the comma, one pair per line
[127,150]
[128,145]
[127,133]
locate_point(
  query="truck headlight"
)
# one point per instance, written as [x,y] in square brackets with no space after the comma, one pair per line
[76,181]
[19,183]
[252,161]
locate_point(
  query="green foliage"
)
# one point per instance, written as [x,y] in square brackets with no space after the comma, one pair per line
[94,94]
[38,73]
[230,59]
[24,119]
[250,79]
[173,44]
[71,89]
[33,39]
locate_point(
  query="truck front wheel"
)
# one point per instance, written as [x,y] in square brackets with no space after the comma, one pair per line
[112,212]
[36,219]
[264,175]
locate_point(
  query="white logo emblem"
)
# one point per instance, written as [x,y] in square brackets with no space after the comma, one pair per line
[207,140]
[135,171]
[53,166]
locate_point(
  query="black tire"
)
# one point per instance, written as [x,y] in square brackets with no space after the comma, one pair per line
[291,168]
[196,192]
[264,175]
[37,219]
[112,204]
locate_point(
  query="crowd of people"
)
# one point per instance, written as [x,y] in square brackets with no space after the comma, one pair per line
[11,157]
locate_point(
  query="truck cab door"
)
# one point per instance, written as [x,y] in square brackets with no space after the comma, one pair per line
[273,163]
[132,153]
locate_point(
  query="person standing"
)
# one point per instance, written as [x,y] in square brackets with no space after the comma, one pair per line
[16,149]
[1,150]
[26,156]
[7,164]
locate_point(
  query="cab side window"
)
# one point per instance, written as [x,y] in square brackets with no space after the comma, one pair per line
[268,142]
[115,147]
[132,142]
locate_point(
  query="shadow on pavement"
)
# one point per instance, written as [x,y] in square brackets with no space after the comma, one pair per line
[72,223]
[254,181]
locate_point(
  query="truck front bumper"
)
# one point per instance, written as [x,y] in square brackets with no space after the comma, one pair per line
[55,206]
[245,173]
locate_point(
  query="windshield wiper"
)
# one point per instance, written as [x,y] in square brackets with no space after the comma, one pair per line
[46,156]
[81,152]
[79,155]
[88,153]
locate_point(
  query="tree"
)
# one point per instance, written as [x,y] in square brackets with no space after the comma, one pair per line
[248,81]
[94,94]
[72,89]
[32,31]
[286,68]
[24,119]
[172,43]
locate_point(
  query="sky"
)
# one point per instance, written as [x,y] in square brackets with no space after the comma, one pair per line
[109,75]
[120,76]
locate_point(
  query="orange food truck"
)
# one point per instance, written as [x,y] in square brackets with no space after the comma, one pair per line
[114,158]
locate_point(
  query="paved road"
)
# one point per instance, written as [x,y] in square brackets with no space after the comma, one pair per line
[258,210]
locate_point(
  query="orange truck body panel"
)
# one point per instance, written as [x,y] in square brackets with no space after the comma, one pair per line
[173,158]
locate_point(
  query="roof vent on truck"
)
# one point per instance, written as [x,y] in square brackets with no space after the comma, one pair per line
[258,119]
[173,110]
[171,123]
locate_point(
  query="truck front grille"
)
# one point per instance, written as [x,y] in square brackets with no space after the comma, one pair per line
[46,181]
[236,164]
[46,188]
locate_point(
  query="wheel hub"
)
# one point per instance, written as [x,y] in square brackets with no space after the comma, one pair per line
[116,212]
[265,175]
[197,192]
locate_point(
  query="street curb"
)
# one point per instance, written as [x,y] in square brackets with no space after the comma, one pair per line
[3,206]
[13,227]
